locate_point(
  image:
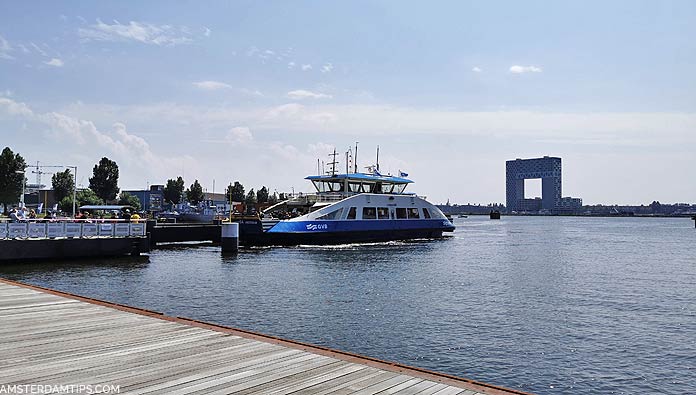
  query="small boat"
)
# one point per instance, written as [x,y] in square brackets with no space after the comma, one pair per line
[463,216]
[348,208]
[494,214]
[204,212]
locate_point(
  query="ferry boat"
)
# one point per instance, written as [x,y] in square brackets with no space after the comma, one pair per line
[348,208]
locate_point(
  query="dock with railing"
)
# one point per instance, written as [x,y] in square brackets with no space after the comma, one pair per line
[55,339]
[67,238]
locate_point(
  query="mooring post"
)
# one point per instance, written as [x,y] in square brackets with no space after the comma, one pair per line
[230,237]
[694,218]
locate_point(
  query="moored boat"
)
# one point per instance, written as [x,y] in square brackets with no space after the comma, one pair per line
[348,208]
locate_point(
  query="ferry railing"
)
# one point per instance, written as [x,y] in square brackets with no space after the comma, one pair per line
[72,228]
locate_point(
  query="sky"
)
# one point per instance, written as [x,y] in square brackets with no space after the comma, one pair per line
[449,90]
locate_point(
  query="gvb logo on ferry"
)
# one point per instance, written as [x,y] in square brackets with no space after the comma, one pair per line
[317,226]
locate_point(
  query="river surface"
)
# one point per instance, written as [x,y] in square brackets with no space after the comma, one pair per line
[548,305]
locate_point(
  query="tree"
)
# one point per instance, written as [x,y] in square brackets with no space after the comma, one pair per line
[84,197]
[63,184]
[273,199]
[250,197]
[262,195]
[195,193]
[104,181]
[11,182]
[656,207]
[174,190]
[126,199]
[236,192]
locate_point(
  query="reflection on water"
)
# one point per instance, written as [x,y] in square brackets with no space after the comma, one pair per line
[548,305]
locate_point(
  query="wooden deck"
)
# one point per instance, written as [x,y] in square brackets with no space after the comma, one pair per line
[52,338]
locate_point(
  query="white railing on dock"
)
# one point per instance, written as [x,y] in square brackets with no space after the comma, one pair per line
[70,229]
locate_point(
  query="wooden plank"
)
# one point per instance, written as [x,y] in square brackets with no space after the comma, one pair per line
[416,389]
[430,391]
[166,363]
[403,386]
[362,384]
[224,385]
[51,338]
[449,391]
[207,378]
[302,379]
[115,364]
[341,382]
[384,385]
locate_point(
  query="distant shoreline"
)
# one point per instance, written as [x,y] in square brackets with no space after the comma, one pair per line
[583,215]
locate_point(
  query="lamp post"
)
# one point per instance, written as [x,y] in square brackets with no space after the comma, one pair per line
[21,199]
[74,195]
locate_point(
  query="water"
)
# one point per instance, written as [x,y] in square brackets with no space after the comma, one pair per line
[544,304]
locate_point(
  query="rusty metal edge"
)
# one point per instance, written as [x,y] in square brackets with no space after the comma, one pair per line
[325,351]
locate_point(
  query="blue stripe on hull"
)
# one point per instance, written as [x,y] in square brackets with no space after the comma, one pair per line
[309,227]
[327,238]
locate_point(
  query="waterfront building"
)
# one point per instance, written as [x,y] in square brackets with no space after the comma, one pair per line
[150,199]
[549,170]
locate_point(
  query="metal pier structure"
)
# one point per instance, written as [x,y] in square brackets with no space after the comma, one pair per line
[62,239]
[53,338]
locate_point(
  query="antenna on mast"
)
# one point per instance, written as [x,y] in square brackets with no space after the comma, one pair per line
[333,163]
[377,159]
[356,158]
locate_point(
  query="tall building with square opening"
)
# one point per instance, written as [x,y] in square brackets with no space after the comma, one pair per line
[548,169]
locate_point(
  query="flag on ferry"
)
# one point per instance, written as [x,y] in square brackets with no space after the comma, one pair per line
[402,174]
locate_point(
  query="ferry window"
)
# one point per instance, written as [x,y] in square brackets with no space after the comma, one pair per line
[426,213]
[352,213]
[354,186]
[368,187]
[334,215]
[399,188]
[413,213]
[387,187]
[382,212]
[320,185]
[369,213]
[401,213]
[336,186]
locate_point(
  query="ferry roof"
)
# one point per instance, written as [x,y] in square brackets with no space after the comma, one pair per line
[361,177]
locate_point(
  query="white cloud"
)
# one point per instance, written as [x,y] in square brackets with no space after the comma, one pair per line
[14,108]
[54,62]
[304,94]
[476,69]
[306,67]
[284,111]
[291,65]
[136,31]
[206,32]
[239,135]
[211,85]
[126,147]
[251,92]
[38,49]
[327,68]
[5,49]
[517,69]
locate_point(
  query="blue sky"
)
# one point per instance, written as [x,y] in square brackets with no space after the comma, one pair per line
[257,91]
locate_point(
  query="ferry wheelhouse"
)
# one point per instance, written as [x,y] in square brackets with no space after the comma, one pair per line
[349,208]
